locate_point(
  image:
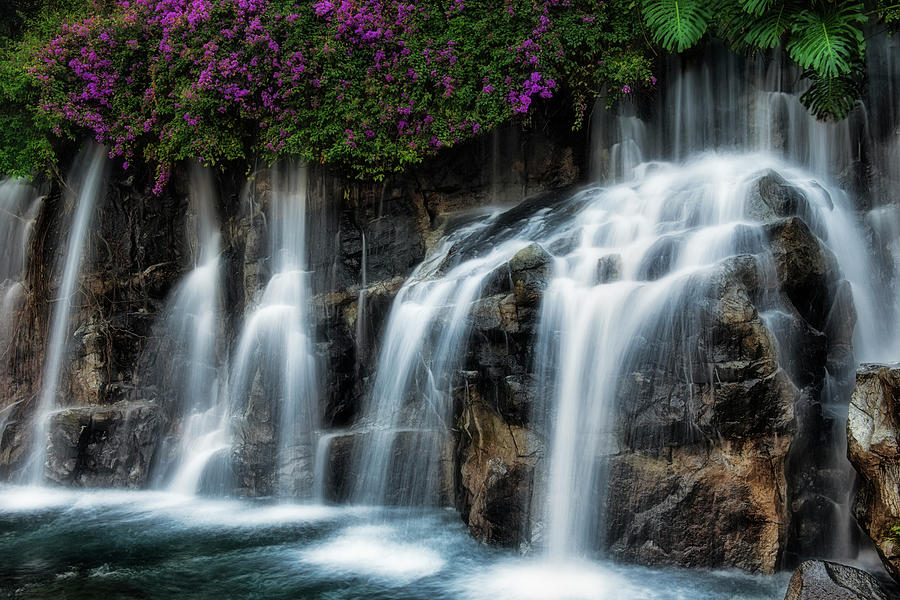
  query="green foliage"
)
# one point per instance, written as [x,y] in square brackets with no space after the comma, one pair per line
[370,87]
[823,38]
[756,7]
[676,24]
[159,81]
[832,97]
[828,40]
[26,139]
[894,532]
[767,30]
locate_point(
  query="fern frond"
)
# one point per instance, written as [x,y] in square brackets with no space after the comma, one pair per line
[829,41]
[832,98]
[676,25]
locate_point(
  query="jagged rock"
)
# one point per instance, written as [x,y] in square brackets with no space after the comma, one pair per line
[99,446]
[658,258]
[529,271]
[873,436]
[497,467]
[342,456]
[772,197]
[823,580]
[497,312]
[706,423]
[699,507]
[254,451]
[804,268]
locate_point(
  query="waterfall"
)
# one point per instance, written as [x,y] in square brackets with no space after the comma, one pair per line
[404,429]
[715,105]
[85,188]
[187,359]
[19,204]
[274,353]
[630,299]
[633,265]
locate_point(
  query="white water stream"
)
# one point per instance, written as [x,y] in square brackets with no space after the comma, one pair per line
[85,188]
[191,323]
[274,350]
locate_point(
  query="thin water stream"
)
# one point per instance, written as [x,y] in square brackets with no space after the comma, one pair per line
[86,186]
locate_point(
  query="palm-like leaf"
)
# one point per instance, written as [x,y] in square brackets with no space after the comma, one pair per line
[832,97]
[729,22]
[766,30]
[756,7]
[676,24]
[829,41]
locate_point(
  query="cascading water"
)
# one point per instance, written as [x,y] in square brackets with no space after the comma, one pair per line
[629,298]
[404,423]
[85,188]
[19,205]
[274,352]
[18,208]
[188,362]
[724,104]
[634,269]
[625,292]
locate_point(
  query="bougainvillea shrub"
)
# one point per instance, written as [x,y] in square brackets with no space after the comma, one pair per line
[369,85]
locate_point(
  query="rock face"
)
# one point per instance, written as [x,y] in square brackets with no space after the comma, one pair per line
[873,435]
[707,471]
[822,580]
[103,446]
[701,476]
[363,240]
[714,463]
[134,256]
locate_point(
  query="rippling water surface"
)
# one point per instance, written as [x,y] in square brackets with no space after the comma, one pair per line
[116,544]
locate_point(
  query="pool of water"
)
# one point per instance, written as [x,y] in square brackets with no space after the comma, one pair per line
[58,543]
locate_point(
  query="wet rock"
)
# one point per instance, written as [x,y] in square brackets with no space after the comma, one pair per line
[254,451]
[497,466]
[608,268]
[103,446]
[873,436]
[347,326]
[823,580]
[530,271]
[700,507]
[805,269]
[342,469]
[658,259]
[499,312]
[518,394]
[706,422]
[772,197]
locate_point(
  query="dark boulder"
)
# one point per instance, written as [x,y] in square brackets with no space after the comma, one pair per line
[823,580]
[103,446]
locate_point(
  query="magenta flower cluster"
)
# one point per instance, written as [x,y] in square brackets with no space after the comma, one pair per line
[373,84]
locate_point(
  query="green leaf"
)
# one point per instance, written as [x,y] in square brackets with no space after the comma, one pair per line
[767,30]
[832,97]
[828,42]
[676,24]
[756,7]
